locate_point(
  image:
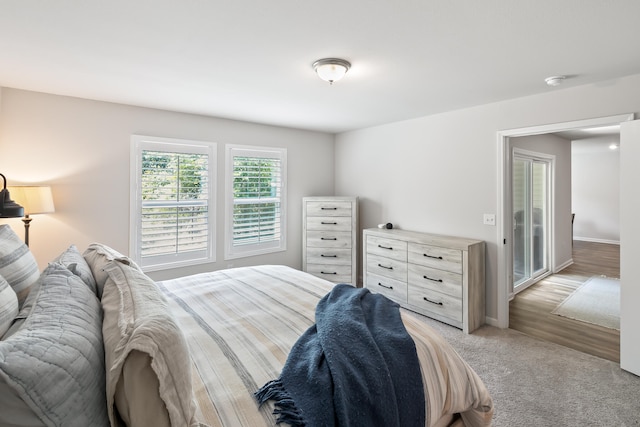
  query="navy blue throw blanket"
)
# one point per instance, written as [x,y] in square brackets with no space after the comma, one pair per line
[357,366]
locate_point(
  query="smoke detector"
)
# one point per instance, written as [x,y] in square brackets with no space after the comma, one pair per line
[554,80]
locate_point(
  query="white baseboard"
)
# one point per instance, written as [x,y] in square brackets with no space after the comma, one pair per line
[563,266]
[589,239]
[491,321]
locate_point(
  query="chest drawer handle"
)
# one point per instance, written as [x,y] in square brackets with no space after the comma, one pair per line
[433,280]
[329,209]
[328,238]
[431,256]
[385,247]
[328,223]
[384,266]
[432,302]
[385,286]
[332,256]
[328,272]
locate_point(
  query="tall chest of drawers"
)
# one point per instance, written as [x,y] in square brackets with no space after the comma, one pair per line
[438,276]
[330,227]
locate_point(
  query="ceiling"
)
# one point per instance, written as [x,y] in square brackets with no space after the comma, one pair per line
[251,60]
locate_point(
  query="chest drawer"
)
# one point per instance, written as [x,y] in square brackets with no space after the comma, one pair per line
[387,267]
[395,290]
[332,273]
[328,208]
[332,256]
[388,248]
[436,257]
[338,223]
[329,239]
[426,278]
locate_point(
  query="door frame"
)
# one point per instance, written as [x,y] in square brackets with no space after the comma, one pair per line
[549,243]
[504,222]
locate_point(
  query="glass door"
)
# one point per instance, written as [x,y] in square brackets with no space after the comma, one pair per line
[530,186]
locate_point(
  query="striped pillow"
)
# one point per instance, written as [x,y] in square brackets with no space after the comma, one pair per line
[17,264]
[8,306]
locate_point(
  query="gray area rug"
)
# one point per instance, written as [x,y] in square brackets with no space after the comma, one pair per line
[596,301]
[537,383]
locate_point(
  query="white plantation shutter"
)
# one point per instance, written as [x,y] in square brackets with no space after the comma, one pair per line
[255,200]
[173,203]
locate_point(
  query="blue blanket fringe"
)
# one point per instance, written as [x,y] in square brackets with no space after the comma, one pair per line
[285,408]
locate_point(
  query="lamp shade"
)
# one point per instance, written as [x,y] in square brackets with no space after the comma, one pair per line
[34,199]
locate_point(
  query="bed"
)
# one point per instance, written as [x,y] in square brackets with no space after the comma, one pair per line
[96,342]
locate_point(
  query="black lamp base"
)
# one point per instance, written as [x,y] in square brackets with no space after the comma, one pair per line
[27,222]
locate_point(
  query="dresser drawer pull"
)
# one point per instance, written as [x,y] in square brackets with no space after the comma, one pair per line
[332,256]
[433,280]
[384,266]
[328,238]
[328,223]
[385,247]
[328,272]
[385,286]
[329,209]
[431,256]
[432,302]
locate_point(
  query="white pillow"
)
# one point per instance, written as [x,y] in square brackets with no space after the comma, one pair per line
[17,264]
[8,306]
[98,256]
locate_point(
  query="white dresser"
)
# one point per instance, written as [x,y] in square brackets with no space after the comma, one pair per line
[438,276]
[330,227]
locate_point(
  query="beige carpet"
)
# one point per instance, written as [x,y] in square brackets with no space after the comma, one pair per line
[596,301]
[536,383]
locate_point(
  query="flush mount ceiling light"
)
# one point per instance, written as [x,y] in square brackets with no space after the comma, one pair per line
[554,80]
[331,69]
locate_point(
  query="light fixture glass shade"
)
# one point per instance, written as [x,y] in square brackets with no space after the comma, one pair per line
[34,199]
[331,69]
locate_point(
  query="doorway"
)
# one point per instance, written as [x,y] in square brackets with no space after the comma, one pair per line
[531,188]
[505,221]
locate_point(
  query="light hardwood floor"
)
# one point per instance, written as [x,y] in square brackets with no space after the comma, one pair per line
[530,310]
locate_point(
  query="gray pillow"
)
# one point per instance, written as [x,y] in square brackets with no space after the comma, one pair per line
[8,306]
[17,264]
[75,262]
[55,361]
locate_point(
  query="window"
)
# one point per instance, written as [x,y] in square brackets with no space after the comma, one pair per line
[172,202]
[255,202]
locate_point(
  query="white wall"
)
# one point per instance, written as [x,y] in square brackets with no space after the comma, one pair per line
[596,190]
[440,173]
[82,149]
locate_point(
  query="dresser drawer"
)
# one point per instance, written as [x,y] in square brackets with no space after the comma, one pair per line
[395,290]
[332,273]
[332,256]
[328,208]
[388,248]
[436,257]
[339,223]
[436,302]
[387,267]
[329,239]
[426,278]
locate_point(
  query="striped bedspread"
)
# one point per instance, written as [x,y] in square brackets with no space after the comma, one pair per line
[241,323]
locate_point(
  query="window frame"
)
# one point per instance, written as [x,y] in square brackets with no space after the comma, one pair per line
[140,143]
[237,150]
